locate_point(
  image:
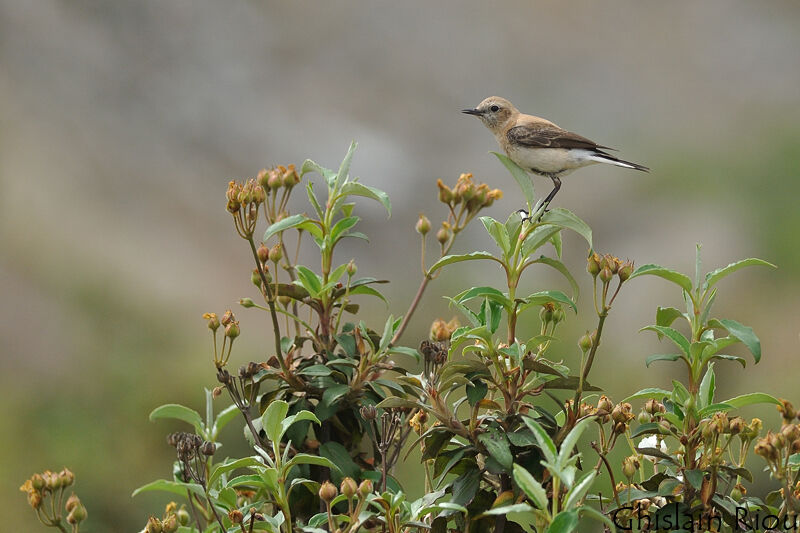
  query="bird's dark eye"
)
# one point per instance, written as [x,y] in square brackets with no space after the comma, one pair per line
[494,109]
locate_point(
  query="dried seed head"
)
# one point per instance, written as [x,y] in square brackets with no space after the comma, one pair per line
[369,412]
[236,516]
[170,524]
[153,525]
[208,448]
[625,271]
[593,264]
[77,515]
[228,317]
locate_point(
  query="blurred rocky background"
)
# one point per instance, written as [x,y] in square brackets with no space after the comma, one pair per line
[121,123]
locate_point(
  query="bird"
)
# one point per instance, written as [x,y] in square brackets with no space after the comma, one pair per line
[539,146]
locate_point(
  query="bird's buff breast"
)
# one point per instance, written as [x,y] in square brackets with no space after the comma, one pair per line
[549,160]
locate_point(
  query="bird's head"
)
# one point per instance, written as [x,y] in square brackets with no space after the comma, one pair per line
[494,112]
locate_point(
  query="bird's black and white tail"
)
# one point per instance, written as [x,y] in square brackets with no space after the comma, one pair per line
[602,157]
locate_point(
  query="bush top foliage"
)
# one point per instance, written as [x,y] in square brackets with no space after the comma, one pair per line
[509,438]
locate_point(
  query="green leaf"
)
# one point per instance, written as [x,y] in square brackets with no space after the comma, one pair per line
[224,418]
[316,371]
[679,279]
[311,166]
[531,487]
[694,477]
[665,316]
[522,178]
[179,412]
[662,357]
[484,292]
[564,522]
[354,188]
[558,265]
[713,277]
[580,489]
[245,462]
[333,393]
[648,393]
[752,398]
[538,237]
[744,334]
[546,444]
[707,387]
[543,297]
[394,401]
[309,280]
[594,514]
[338,455]
[174,487]
[714,408]
[566,219]
[505,509]
[570,441]
[498,232]
[476,391]
[674,335]
[648,429]
[497,445]
[344,168]
[312,198]
[450,259]
[307,459]
[272,418]
[341,227]
[298,417]
[282,225]
[369,291]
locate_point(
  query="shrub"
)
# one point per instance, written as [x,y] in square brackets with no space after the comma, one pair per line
[498,424]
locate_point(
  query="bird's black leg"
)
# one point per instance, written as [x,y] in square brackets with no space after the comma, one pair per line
[556,187]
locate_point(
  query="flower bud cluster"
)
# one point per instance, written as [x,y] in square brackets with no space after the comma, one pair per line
[50,484]
[474,197]
[230,331]
[278,177]
[606,268]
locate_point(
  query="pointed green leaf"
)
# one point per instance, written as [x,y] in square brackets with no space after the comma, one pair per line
[752,398]
[570,441]
[309,280]
[679,279]
[272,418]
[713,277]
[564,522]
[707,387]
[543,297]
[498,232]
[662,357]
[223,468]
[648,393]
[179,412]
[531,487]
[311,166]
[566,219]
[546,443]
[673,335]
[450,259]
[298,417]
[744,334]
[558,265]
[497,445]
[354,188]
[342,226]
[344,168]
[538,237]
[282,225]
[580,489]
[174,487]
[522,178]
[665,316]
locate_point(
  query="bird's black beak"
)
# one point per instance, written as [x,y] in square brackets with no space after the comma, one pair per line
[472,112]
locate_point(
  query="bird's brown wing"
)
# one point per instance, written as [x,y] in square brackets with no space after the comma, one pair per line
[533,136]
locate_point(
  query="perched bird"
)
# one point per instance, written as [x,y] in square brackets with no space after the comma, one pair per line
[539,146]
